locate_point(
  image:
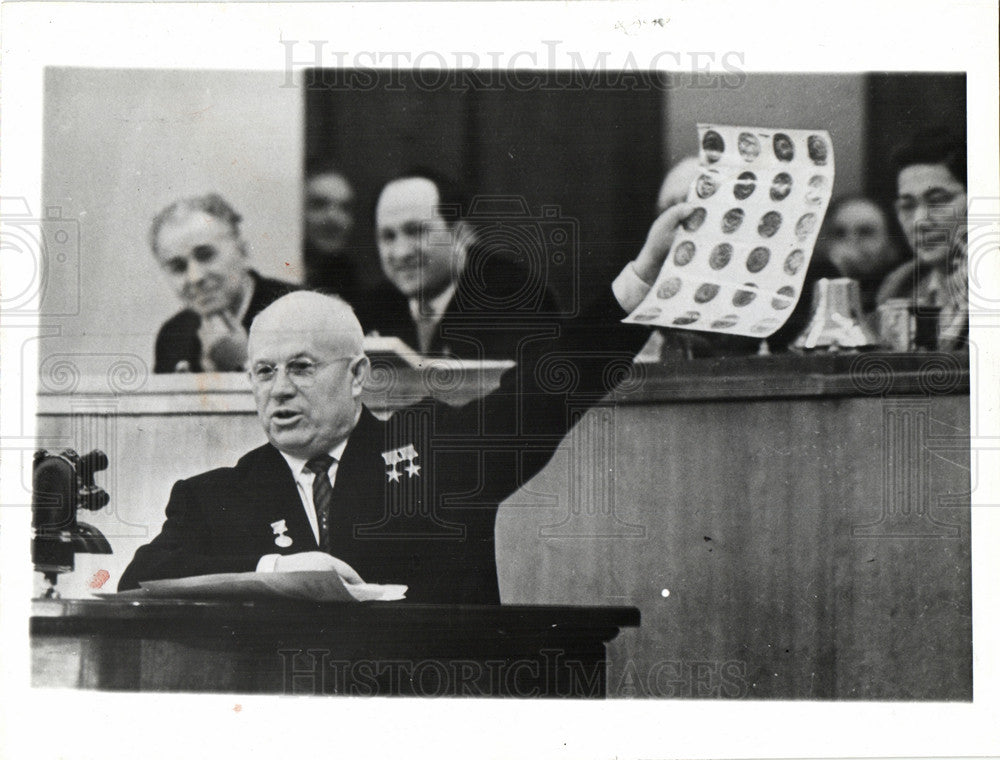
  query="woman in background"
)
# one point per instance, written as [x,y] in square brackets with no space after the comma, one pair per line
[857,241]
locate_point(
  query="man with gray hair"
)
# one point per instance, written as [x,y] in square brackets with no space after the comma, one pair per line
[412,499]
[197,243]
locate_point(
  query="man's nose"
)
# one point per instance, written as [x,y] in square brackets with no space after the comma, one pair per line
[283,387]
[337,213]
[404,247]
[921,213]
[195,272]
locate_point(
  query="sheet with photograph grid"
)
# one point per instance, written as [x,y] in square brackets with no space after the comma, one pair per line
[739,261]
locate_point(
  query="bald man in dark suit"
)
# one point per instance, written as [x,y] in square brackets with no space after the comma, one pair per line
[411,500]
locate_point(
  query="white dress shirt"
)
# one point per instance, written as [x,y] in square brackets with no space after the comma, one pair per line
[427,316]
[629,288]
[304,482]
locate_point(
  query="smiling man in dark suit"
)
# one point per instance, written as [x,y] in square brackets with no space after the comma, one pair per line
[198,244]
[448,289]
[410,500]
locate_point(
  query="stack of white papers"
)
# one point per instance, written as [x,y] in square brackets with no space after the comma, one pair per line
[313,586]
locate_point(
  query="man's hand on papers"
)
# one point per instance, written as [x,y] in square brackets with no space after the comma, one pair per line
[316,561]
[654,252]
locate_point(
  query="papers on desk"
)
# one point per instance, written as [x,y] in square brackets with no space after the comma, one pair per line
[392,351]
[313,586]
[738,263]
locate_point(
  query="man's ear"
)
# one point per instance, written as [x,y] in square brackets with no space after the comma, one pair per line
[359,368]
[464,233]
[464,236]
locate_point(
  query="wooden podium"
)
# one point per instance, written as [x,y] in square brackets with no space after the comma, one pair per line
[297,648]
[809,516]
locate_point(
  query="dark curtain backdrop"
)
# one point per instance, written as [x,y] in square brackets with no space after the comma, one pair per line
[590,144]
[899,105]
[569,146]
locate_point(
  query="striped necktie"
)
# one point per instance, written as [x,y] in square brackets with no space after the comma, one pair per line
[322,496]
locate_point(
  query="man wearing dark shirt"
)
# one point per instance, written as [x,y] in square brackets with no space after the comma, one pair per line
[333,262]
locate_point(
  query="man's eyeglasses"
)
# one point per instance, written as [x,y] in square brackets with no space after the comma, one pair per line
[937,202]
[301,372]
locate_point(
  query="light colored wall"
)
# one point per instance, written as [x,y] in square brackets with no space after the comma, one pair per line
[835,102]
[122,144]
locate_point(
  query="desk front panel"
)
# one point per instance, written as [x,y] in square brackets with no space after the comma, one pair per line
[802,541]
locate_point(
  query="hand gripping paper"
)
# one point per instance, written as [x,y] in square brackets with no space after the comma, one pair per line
[738,262]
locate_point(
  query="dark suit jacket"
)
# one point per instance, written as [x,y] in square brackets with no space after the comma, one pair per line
[178,340]
[431,529]
[496,306]
[341,274]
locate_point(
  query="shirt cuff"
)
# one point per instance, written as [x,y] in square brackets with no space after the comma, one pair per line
[266,563]
[629,288]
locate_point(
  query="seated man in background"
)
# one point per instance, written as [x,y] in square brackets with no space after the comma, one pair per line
[197,242]
[412,499]
[446,292]
[932,207]
[331,260]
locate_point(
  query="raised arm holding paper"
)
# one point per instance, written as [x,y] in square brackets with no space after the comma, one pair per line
[410,500]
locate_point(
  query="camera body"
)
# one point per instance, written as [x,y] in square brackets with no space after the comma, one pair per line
[62,484]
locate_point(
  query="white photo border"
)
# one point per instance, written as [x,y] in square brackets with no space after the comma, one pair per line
[777,36]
